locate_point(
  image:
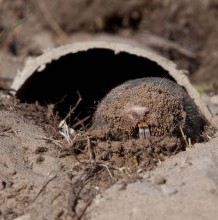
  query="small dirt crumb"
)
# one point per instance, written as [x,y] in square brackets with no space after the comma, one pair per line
[41,150]
[123,186]
[188,161]
[40,159]
[168,191]
[2,185]
[159,180]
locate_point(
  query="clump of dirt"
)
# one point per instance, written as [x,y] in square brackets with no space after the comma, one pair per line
[98,147]
[169,110]
[42,116]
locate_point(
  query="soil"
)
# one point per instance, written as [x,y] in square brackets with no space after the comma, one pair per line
[42,174]
[33,154]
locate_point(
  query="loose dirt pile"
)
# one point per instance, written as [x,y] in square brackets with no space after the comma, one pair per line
[39,168]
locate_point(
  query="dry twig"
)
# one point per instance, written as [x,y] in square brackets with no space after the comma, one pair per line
[74,107]
[49,179]
[91,152]
[184,137]
[8,30]
[81,122]
[65,130]
[159,42]
[92,162]
[50,139]
[107,168]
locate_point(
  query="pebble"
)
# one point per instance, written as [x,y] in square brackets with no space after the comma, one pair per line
[2,184]
[159,180]
[168,191]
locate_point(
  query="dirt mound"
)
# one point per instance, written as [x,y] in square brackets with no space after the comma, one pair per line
[40,168]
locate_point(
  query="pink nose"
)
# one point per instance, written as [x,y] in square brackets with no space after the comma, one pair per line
[135,112]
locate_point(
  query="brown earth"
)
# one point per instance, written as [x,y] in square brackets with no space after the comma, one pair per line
[42,176]
[32,157]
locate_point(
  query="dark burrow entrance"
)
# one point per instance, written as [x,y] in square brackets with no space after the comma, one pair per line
[91,73]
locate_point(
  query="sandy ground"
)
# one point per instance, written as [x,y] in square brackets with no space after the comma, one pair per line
[44,177]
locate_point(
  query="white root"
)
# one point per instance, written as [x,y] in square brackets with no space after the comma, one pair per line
[66,131]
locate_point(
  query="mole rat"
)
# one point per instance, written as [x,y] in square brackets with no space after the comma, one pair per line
[149,107]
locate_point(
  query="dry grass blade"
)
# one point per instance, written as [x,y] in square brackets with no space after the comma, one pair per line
[6,31]
[159,42]
[81,122]
[91,151]
[50,139]
[74,107]
[108,170]
[184,137]
[53,24]
[64,129]
[50,178]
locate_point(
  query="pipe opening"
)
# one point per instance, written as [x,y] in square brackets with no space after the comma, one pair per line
[93,73]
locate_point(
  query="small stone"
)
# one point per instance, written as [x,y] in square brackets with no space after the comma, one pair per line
[159,180]
[188,161]
[105,155]
[40,159]
[168,191]
[122,186]
[41,150]
[213,191]
[30,187]
[2,185]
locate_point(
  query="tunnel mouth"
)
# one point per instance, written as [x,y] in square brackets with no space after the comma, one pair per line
[88,75]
